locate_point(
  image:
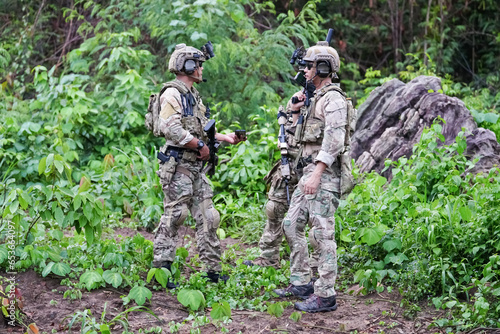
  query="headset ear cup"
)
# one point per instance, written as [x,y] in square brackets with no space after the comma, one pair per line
[189,66]
[323,69]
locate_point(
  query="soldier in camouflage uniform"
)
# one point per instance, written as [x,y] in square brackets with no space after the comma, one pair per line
[317,195]
[185,185]
[277,204]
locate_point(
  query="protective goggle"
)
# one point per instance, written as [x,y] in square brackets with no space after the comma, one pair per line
[309,64]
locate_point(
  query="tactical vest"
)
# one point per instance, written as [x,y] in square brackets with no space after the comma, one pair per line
[313,130]
[194,116]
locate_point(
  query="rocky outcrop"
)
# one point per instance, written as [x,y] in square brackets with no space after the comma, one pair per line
[391,121]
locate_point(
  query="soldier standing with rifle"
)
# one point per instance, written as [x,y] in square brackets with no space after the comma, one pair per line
[283,179]
[182,119]
[322,141]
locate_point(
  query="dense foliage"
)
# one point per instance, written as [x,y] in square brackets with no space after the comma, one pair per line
[76,160]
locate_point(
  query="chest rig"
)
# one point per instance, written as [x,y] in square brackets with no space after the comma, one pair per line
[310,127]
[194,113]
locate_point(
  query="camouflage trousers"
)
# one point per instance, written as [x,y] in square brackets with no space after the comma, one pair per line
[317,209]
[188,191]
[276,209]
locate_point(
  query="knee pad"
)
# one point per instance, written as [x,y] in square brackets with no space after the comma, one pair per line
[270,210]
[211,214]
[174,216]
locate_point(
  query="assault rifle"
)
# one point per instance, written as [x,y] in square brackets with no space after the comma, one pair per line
[213,146]
[309,89]
[283,145]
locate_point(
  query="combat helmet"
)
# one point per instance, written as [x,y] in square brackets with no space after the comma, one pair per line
[325,57]
[185,59]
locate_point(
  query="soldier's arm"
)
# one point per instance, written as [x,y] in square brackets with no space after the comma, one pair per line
[335,109]
[170,118]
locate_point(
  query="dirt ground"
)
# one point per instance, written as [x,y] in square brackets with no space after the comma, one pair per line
[44,305]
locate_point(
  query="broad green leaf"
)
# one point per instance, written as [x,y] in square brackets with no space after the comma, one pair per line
[345,235]
[220,310]
[371,236]
[113,278]
[61,269]
[392,244]
[59,216]
[182,252]
[54,255]
[151,274]
[193,299]
[140,294]
[77,201]
[89,234]
[275,309]
[105,329]
[162,275]
[49,162]
[47,269]
[13,206]
[87,211]
[41,165]
[56,234]
[91,279]
[59,166]
[221,233]
[380,181]
[451,303]
[465,213]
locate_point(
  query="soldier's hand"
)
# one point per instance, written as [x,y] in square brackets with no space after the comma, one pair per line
[301,97]
[311,185]
[232,138]
[204,153]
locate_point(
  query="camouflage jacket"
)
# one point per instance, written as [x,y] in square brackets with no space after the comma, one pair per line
[182,115]
[323,135]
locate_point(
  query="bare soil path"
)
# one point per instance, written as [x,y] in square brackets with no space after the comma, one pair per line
[375,313]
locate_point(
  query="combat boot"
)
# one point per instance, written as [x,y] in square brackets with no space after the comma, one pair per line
[301,291]
[170,284]
[216,276]
[262,262]
[315,304]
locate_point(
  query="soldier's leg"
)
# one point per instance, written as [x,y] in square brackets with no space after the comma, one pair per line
[314,257]
[293,226]
[177,195]
[273,232]
[207,222]
[323,231]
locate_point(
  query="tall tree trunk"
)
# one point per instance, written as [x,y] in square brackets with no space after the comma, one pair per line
[441,33]
[412,3]
[426,60]
[396,30]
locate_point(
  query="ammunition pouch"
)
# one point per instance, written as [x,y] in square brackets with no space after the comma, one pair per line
[167,169]
[313,131]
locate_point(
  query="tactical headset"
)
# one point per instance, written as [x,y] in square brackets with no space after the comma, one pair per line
[190,66]
[323,69]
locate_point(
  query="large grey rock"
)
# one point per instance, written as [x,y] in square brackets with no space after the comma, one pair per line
[391,121]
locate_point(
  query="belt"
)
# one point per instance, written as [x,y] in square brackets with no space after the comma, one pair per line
[181,154]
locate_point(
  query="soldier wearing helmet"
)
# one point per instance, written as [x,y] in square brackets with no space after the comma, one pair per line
[185,185]
[316,197]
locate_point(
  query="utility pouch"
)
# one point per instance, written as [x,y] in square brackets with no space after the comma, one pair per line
[167,170]
[313,131]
